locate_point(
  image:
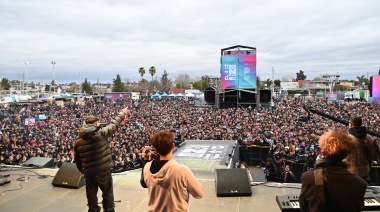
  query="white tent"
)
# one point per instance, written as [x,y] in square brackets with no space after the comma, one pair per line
[189,95]
[179,94]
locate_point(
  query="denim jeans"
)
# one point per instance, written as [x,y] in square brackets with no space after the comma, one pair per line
[104,182]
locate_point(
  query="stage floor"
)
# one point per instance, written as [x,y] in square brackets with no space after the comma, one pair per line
[38,194]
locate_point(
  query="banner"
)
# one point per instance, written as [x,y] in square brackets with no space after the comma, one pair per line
[238,71]
[30,121]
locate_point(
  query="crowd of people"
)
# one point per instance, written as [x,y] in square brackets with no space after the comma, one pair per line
[283,126]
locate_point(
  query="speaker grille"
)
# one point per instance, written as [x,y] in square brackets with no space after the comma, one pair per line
[232,182]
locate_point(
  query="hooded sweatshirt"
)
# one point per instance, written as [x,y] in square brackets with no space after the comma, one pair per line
[169,185]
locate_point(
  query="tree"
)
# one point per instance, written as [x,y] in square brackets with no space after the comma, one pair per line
[301,75]
[143,86]
[142,72]
[286,78]
[361,81]
[183,81]
[86,87]
[258,83]
[268,82]
[340,88]
[277,83]
[5,84]
[203,83]
[166,83]
[118,85]
[152,71]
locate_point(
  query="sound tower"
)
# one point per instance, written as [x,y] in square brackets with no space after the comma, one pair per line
[40,162]
[232,182]
[210,95]
[68,176]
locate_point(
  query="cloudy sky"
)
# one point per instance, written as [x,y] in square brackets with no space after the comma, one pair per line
[98,39]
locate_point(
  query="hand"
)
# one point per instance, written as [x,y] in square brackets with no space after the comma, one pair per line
[126,111]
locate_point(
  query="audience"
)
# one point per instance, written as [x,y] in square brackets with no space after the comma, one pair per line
[55,127]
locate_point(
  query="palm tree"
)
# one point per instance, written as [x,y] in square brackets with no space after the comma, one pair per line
[142,72]
[361,80]
[152,71]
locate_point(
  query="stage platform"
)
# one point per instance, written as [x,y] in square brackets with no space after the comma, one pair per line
[38,194]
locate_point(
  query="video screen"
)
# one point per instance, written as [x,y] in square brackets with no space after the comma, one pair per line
[376,86]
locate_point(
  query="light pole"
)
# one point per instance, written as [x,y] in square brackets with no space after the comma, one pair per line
[26,71]
[53,63]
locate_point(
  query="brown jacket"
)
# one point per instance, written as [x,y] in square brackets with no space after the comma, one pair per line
[331,187]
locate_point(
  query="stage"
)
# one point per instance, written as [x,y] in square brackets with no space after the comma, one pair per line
[38,194]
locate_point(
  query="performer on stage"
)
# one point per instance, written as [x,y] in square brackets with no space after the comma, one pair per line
[169,183]
[94,161]
[330,186]
[360,160]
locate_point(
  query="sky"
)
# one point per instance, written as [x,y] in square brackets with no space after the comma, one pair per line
[98,39]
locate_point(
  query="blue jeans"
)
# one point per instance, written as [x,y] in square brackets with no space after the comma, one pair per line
[104,182]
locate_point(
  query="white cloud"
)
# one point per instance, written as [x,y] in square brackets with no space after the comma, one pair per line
[102,38]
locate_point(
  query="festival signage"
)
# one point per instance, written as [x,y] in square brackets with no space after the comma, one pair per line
[238,70]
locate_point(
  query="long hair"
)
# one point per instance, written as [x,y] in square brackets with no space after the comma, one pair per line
[337,144]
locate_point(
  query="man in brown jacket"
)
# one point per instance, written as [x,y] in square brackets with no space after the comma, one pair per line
[330,186]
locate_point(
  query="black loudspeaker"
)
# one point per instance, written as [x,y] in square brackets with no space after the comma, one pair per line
[232,182]
[40,162]
[68,176]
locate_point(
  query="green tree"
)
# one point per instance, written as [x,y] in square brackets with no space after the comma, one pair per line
[5,84]
[277,83]
[86,87]
[362,80]
[268,82]
[118,85]
[301,75]
[152,71]
[340,88]
[142,72]
[202,84]
[198,85]
[166,83]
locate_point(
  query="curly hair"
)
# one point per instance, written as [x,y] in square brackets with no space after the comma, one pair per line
[163,142]
[336,143]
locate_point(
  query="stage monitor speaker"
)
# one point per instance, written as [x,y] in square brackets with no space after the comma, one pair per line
[232,182]
[68,176]
[40,162]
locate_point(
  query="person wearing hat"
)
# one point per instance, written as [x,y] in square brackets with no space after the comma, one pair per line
[94,161]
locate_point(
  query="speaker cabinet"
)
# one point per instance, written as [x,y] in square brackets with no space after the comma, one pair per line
[68,176]
[40,162]
[232,182]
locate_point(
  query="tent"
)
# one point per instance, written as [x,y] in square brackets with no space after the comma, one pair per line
[155,96]
[189,95]
[164,95]
[172,95]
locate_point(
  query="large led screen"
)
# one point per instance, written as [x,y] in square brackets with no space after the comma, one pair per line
[238,71]
[376,86]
